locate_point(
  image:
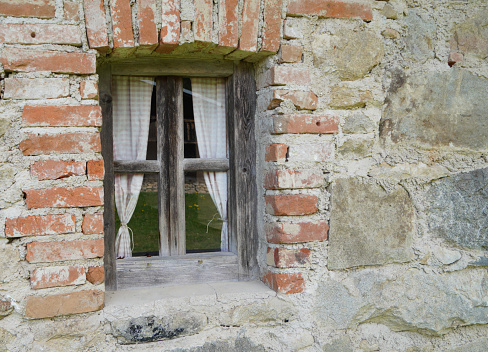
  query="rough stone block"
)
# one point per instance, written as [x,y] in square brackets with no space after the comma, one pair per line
[36,225]
[57,276]
[314,152]
[420,37]
[296,232]
[359,123]
[67,143]
[471,37]
[37,88]
[40,34]
[304,123]
[60,197]
[151,328]
[38,252]
[437,109]
[291,204]
[369,226]
[456,209]
[64,304]
[56,169]
[346,97]
[54,115]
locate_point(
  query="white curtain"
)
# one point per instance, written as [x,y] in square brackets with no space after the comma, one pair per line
[131,115]
[210,126]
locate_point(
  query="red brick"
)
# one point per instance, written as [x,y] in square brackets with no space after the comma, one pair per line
[272,26]
[170,26]
[302,100]
[77,142]
[40,34]
[71,9]
[293,179]
[95,275]
[291,53]
[92,224]
[36,88]
[28,8]
[54,115]
[95,169]
[96,26]
[56,169]
[66,250]
[89,89]
[331,8]
[148,33]
[305,124]
[122,23]
[36,225]
[249,35]
[291,204]
[64,304]
[276,152]
[57,276]
[60,197]
[288,258]
[296,232]
[283,75]
[228,23]
[202,26]
[454,57]
[186,31]
[26,60]
[287,283]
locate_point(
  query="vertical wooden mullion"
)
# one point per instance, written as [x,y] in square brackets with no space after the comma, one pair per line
[231,174]
[169,98]
[106,136]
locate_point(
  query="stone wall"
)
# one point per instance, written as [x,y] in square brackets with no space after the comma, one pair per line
[372,133]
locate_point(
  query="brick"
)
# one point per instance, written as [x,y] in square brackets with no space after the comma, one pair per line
[60,197]
[95,169]
[28,8]
[288,258]
[55,115]
[37,88]
[148,33]
[89,89]
[202,26]
[170,29]
[92,224]
[283,75]
[56,169]
[249,36]
[301,100]
[57,276]
[305,124]
[314,152]
[71,10]
[40,34]
[68,143]
[67,250]
[37,225]
[95,275]
[271,31]
[96,26]
[64,304]
[276,152]
[287,283]
[291,204]
[293,28]
[293,179]
[291,53]
[186,31]
[296,232]
[331,8]
[25,60]
[122,23]
[228,23]
[454,57]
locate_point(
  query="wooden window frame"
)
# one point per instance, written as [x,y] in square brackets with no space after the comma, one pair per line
[238,264]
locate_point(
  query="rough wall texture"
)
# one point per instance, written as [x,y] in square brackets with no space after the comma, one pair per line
[372,131]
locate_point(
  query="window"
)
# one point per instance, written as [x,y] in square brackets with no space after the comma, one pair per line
[180,156]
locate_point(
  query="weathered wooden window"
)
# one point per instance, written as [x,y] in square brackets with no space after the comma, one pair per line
[170,138]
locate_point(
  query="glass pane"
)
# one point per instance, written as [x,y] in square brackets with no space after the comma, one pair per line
[152,141]
[190,137]
[144,222]
[203,223]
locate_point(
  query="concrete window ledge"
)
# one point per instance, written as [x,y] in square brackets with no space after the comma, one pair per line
[156,314]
